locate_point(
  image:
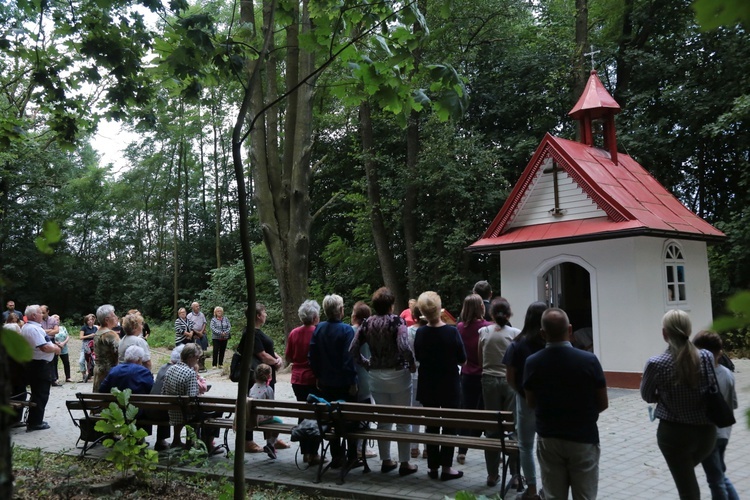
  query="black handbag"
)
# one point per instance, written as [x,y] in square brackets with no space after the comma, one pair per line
[234,367]
[307,433]
[717,409]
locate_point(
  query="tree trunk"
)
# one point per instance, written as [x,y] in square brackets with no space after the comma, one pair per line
[410,196]
[281,165]
[410,205]
[175,246]
[217,184]
[6,451]
[379,233]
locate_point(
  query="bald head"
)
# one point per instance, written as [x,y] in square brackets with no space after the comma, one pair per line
[555,325]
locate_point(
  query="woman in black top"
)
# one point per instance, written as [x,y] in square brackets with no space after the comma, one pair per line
[439,350]
[262,353]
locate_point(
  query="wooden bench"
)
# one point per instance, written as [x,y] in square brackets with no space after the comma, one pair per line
[154,407]
[347,419]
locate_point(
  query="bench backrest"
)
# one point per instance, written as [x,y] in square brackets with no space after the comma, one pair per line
[97,401]
[486,420]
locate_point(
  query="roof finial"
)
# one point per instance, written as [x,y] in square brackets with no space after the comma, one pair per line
[592,53]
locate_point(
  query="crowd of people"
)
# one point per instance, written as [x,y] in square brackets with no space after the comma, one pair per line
[555,390]
[482,362]
[116,354]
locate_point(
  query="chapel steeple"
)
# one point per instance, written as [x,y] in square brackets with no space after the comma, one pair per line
[596,106]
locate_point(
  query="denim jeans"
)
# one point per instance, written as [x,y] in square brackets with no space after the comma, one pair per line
[392,387]
[714,467]
[526,431]
[82,361]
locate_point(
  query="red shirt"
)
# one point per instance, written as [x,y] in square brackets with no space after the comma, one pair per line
[406,316]
[297,349]
[470,336]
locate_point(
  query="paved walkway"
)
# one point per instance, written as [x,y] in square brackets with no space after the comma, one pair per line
[631,465]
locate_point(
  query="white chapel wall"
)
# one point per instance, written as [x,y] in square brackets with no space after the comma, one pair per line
[628,299]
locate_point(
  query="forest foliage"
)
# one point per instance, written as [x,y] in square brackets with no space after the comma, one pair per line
[483,85]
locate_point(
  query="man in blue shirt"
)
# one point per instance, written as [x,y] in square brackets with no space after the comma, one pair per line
[567,389]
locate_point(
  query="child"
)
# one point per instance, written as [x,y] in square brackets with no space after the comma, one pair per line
[714,466]
[263,390]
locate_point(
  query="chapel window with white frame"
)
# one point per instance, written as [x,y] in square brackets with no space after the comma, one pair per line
[674,264]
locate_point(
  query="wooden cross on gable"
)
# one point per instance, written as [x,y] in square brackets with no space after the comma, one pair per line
[550,167]
[592,53]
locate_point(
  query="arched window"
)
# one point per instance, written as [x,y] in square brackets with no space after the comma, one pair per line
[674,265]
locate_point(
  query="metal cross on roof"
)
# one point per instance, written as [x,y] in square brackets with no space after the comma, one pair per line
[592,53]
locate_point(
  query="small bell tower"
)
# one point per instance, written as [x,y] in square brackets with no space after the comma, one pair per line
[595,112]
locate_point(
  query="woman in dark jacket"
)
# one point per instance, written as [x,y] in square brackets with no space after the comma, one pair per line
[439,350]
[527,343]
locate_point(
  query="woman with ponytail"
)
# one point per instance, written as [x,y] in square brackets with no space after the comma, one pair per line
[494,340]
[676,381]
[528,342]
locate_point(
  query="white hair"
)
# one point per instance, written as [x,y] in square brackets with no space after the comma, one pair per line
[134,354]
[332,305]
[31,310]
[103,313]
[308,311]
[176,353]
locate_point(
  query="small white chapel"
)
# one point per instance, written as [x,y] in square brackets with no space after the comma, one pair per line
[589,230]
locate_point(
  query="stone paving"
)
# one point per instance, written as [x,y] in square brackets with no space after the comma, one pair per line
[631,465]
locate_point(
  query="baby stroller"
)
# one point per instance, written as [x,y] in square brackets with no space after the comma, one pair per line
[89,359]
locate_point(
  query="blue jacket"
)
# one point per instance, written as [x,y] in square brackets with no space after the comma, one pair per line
[128,376]
[329,354]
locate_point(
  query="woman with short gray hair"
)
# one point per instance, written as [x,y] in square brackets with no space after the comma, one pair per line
[298,348]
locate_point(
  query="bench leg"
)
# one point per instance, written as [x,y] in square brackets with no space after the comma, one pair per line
[321,468]
[515,474]
[366,469]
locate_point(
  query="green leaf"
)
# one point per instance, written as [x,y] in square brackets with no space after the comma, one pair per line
[7,409]
[727,323]
[50,236]
[740,303]
[16,345]
[131,413]
[714,13]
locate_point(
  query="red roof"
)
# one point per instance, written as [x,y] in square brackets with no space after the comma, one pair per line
[635,203]
[594,99]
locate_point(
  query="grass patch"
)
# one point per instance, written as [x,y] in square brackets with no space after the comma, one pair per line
[40,474]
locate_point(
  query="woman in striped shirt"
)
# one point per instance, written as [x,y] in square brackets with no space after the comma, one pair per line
[183,328]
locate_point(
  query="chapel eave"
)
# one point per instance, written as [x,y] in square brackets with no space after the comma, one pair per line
[491,245]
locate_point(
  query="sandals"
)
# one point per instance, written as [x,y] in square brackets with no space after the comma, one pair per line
[253,447]
[415,453]
[447,476]
[461,458]
[405,470]
[388,467]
